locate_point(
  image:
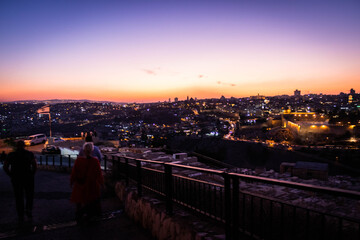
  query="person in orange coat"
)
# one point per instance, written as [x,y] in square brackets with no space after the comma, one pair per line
[86,181]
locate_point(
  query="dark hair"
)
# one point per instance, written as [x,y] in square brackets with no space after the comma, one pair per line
[20,144]
[88,138]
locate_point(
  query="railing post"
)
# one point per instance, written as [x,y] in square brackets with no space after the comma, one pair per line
[235,206]
[60,160]
[127,171]
[228,207]
[118,167]
[46,159]
[139,177]
[69,162]
[40,159]
[105,161]
[169,189]
[53,157]
[113,161]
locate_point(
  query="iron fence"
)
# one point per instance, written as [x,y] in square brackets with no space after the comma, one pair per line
[58,160]
[244,214]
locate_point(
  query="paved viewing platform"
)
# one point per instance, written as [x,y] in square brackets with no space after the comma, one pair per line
[53,213]
[177,197]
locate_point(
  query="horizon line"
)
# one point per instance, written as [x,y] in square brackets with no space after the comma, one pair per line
[134,102]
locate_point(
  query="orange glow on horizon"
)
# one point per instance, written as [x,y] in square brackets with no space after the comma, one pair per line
[96,90]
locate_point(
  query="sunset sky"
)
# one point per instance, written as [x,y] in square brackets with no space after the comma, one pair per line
[148,51]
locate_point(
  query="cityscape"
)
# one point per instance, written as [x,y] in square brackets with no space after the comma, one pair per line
[197,119]
[309,139]
[313,119]
[318,125]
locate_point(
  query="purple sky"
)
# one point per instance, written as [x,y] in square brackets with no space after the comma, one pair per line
[153,50]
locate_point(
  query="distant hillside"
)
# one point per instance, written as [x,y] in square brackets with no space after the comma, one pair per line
[54,101]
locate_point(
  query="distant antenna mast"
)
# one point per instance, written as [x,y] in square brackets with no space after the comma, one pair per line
[50,122]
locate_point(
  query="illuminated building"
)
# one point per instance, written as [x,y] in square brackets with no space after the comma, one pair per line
[311,126]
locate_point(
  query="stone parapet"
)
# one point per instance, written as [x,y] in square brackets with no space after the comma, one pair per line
[151,215]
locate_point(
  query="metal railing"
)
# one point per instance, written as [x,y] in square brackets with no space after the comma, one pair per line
[243,213]
[58,160]
[221,197]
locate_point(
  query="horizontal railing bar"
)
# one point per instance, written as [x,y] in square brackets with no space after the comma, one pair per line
[56,154]
[154,190]
[152,170]
[197,168]
[197,180]
[179,165]
[302,186]
[146,161]
[184,177]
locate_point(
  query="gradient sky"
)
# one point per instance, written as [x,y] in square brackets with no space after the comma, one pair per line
[154,50]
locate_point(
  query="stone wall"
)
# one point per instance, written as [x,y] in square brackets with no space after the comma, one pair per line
[151,215]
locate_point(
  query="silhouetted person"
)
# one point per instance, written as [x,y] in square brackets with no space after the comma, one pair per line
[21,166]
[2,157]
[86,180]
[96,151]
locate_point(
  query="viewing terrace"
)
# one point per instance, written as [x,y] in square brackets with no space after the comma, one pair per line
[227,199]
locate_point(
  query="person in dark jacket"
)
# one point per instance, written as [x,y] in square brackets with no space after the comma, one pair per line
[86,180]
[2,157]
[21,166]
